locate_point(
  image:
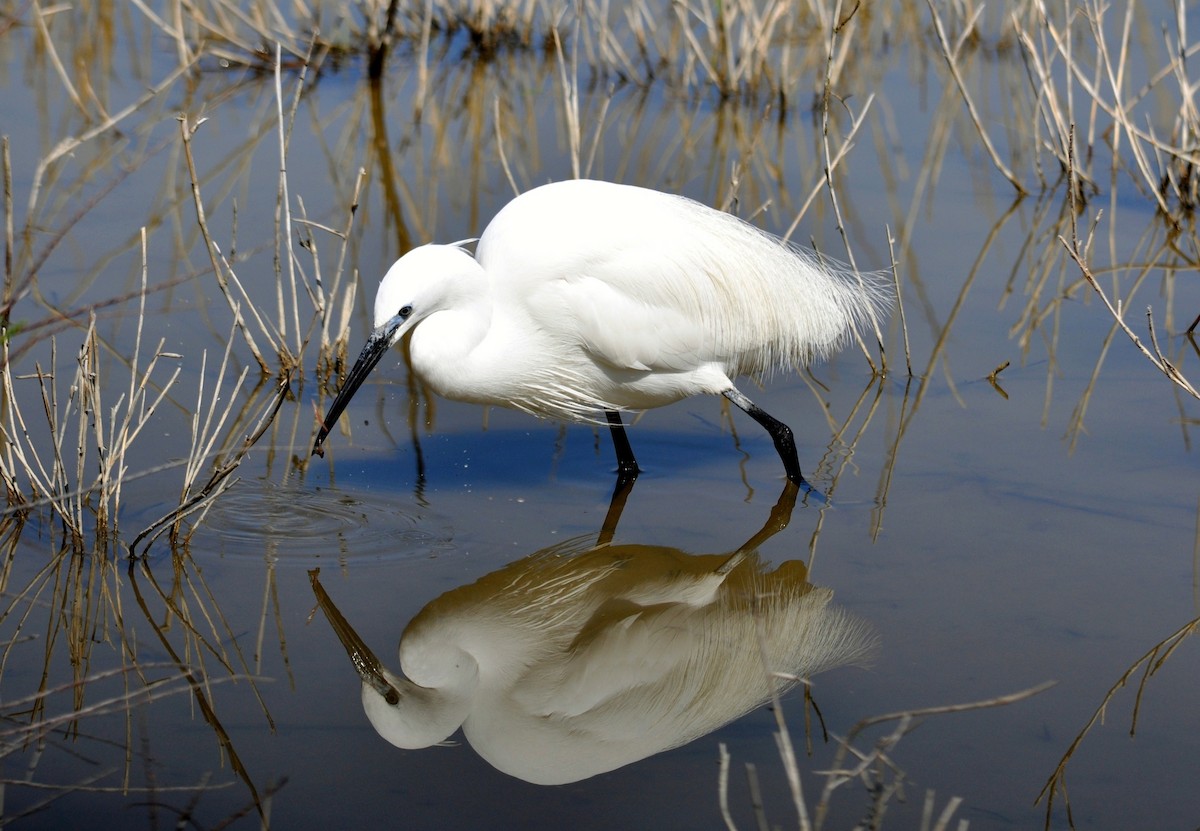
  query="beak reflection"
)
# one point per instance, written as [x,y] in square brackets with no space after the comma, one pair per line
[365,662]
[585,657]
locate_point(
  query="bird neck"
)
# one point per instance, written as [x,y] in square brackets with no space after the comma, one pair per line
[444,345]
[423,716]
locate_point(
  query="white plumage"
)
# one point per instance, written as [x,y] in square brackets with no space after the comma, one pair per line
[587,298]
[580,659]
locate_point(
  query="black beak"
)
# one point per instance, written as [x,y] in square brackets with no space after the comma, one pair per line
[377,346]
[365,662]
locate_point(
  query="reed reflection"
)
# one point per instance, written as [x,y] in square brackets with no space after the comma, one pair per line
[587,656]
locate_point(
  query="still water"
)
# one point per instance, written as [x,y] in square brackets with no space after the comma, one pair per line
[979,538]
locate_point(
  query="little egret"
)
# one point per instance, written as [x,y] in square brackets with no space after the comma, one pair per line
[587,298]
[584,657]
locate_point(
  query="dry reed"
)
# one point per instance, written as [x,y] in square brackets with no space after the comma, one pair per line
[874,767]
[70,441]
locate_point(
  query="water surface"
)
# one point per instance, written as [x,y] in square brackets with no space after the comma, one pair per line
[995,536]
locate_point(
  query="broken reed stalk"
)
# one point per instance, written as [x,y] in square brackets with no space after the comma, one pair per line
[873,765]
[832,164]
[736,53]
[7,298]
[103,437]
[899,301]
[204,436]
[952,54]
[286,336]
[193,499]
[1150,663]
[570,93]
[1164,167]
[568,76]
[883,779]
[199,680]
[837,24]
[1081,254]
[1183,175]
[1120,108]
[187,130]
[18,733]
[120,439]
[283,213]
[290,356]
[723,786]
[333,349]
[1156,357]
[1047,101]
[45,478]
[108,432]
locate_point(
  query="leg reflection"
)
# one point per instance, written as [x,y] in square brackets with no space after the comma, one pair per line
[616,505]
[778,519]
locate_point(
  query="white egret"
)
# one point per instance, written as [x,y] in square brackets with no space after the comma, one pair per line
[587,298]
[582,658]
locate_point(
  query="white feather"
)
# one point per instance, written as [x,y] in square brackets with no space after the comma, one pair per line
[583,658]
[586,296]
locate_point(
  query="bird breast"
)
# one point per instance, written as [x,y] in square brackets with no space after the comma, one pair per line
[552,357]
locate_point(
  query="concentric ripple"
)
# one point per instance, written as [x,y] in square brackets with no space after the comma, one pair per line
[264,519]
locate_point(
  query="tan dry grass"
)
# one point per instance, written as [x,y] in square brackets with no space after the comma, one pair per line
[1095,92]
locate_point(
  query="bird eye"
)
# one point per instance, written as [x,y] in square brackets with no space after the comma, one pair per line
[405,311]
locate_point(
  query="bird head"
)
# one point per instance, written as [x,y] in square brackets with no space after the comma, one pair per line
[427,279]
[420,716]
[402,711]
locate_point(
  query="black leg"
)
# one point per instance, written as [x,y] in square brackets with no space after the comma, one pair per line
[627,473]
[781,434]
[627,466]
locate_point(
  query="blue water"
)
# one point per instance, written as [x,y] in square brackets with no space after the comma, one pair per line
[995,539]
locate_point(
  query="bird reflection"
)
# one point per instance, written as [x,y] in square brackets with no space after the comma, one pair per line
[587,656]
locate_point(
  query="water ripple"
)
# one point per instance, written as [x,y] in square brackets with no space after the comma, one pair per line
[262,519]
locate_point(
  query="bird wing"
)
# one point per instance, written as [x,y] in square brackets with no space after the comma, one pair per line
[626,272]
[647,302]
[630,331]
[650,281]
[629,654]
